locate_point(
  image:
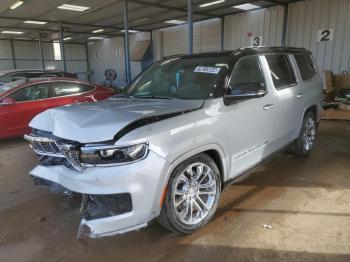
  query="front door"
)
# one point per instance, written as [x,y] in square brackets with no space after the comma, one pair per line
[250,122]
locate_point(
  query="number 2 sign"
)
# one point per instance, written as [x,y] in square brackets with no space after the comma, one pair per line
[325,35]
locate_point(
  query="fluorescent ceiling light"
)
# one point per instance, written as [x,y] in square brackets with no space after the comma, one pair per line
[246,7]
[15,5]
[67,38]
[130,31]
[35,22]
[77,8]
[98,31]
[95,38]
[176,22]
[212,3]
[12,32]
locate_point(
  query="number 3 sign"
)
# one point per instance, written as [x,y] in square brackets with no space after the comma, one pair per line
[256,41]
[325,35]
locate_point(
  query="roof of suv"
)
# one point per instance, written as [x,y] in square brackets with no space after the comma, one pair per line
[247,51]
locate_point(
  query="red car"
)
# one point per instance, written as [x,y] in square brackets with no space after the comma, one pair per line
[21,100]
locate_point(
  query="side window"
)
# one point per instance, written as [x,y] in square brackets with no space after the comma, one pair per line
[306,66]
[86,88]
[247,76]
[281,70]
[69,88]
[32,93]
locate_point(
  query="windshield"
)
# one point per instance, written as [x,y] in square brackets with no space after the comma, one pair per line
[182,78]
[6,87]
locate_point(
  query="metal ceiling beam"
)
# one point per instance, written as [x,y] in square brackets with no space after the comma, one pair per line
[173,8]
[62,22]
[55,30]
[208,10]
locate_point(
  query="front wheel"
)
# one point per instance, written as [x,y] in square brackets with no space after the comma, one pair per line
[306,140]
[192,195]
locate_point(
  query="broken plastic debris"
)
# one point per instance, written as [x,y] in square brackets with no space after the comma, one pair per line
[267,226]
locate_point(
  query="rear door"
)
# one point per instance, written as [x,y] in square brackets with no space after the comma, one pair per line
[312,83]
[289,92]
[30,101]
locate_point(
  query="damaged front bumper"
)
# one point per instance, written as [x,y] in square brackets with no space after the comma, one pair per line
[116,199]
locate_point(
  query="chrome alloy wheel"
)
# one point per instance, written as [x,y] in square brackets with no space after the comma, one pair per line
[309,134]
[194,193]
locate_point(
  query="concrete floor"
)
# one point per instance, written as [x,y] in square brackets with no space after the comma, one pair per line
[305,200]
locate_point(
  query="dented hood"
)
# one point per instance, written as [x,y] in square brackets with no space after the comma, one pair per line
[101,121]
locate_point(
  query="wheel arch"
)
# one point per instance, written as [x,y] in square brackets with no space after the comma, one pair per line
[215,151]
[313,108]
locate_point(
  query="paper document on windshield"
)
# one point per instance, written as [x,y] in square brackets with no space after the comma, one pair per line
[207,69]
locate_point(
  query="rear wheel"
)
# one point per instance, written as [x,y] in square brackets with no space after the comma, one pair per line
[306,140]
[192,195]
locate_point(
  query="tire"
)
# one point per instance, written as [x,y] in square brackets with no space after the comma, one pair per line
[306,139]
[185,193]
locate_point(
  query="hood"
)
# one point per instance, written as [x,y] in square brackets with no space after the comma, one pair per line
[101,121]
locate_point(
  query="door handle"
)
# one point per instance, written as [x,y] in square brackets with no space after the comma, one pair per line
[299,95]
[269,106]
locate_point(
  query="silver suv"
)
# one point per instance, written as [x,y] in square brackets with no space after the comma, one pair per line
[184,129]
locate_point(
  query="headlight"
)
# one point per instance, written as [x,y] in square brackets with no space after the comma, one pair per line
[111,155]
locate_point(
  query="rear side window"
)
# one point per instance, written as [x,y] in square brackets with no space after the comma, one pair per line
[69,88]
[281,70]
[306,66]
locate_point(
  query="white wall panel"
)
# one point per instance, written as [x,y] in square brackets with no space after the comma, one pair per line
[5,49]
[26,50]
[102,56]
[27,54]
[304,21]
[206,37]
[266,23]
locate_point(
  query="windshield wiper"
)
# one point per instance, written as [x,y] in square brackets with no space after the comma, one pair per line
[156,97]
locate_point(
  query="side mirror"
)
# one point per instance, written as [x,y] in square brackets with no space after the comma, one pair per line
[247,90]
[8,101]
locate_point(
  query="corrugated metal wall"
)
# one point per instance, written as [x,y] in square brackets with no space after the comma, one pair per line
[304,21]
[27,55]
[5,55]
[266,23]
[103,55]
[206,37]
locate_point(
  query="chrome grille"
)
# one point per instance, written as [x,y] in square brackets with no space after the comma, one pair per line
[48,147]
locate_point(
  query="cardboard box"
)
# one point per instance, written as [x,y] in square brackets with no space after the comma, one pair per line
[342,81]
[335,114]
[328,81]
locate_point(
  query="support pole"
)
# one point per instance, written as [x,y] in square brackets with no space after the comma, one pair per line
[41,51]
[151,46]
[285,22]
[222,33]
[87,60]
[126,43]
[63,55]
[13,54]
[190,26]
